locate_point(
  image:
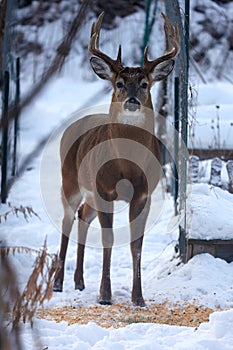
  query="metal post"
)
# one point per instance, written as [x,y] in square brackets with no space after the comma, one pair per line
[186,28]
[16,120]
[148,25]
[184,134]
[184,124]
[176,140]
[181,87]
[5,136]
[7,64]
[146,30]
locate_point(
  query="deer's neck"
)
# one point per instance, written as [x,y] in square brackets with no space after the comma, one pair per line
[143,118]
[131,139]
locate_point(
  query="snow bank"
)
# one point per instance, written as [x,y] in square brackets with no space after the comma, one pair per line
[204,280]
[214,335]
[211,213]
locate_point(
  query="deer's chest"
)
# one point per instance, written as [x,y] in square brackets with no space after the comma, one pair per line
[116,166]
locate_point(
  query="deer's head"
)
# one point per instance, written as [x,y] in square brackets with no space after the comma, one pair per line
[132,84]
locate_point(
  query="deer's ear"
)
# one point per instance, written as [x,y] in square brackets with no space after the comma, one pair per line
[162,70]
[101,68]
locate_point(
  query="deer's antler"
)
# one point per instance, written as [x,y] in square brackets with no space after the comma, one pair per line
[116,65]
[171,39]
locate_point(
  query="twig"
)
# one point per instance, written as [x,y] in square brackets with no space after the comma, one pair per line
[5,250]
[24,210]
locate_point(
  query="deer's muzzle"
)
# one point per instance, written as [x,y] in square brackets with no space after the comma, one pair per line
[132,105]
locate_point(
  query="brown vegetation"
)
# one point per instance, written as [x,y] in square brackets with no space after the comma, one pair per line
[15,306]
[121,315]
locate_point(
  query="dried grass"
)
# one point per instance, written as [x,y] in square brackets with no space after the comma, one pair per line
[39,288]
[16,306]
[25,211]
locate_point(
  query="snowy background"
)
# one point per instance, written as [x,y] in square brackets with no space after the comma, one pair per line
[203,281]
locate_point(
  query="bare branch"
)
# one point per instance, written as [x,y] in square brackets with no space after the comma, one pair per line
[57,64]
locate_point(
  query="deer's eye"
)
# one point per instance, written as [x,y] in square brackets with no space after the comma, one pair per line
[119,85]
[144,85]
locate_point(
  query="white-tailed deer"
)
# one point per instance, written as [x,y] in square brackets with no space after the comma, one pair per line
[119,169]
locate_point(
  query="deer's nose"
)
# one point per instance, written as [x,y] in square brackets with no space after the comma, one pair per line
[132,104]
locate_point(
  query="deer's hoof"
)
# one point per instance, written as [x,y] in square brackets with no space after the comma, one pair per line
[139,302]
[79,285]
[58,286]
[105,301]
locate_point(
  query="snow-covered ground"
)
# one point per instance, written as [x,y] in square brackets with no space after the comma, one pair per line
[204,280]
[214,335]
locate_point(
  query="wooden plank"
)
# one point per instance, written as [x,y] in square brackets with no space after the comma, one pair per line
[224,154]
[211,241]
[225,251]
[222,249]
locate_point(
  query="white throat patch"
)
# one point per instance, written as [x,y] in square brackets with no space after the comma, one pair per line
[132,118]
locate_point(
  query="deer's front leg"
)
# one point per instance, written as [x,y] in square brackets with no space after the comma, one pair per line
[139,209]
[106,220]
[85,216]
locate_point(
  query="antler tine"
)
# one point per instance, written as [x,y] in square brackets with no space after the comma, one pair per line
[166,39]
[169,34]
[168,30]
[146,53]
[94,46]
[96,28]
[177,33]
[119,54]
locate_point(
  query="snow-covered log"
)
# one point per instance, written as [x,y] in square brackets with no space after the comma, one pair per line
[193,168]
[215,175]
[229,167]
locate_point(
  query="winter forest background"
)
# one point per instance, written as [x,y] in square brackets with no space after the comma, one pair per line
[211,31]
